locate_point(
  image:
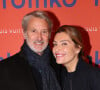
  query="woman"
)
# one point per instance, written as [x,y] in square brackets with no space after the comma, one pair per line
[75,73]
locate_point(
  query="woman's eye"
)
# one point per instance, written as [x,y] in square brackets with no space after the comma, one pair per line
[64,43]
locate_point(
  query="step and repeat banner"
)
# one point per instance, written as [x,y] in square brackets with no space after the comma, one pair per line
[82,13]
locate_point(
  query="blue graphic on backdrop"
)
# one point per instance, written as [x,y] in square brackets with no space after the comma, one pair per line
[37,3]
[8,55]
[97,60]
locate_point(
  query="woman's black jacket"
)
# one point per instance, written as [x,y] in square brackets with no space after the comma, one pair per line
[86,77]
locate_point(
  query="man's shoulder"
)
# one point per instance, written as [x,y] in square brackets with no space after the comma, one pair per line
[11,58]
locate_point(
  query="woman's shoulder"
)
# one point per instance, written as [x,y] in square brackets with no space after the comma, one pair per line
[92,71]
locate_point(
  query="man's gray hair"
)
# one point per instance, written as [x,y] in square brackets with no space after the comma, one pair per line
[38,14]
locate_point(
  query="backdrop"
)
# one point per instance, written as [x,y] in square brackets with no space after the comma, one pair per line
[85,14]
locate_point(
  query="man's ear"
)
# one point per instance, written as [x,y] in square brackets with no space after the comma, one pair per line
[25,35]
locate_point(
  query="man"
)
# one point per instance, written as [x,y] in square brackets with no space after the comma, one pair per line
[31,68]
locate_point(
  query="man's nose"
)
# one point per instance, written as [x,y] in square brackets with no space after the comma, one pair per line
[39,36]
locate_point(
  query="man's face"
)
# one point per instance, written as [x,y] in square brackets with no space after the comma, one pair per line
[37,34]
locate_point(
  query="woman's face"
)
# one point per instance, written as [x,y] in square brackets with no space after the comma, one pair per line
[64,49]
